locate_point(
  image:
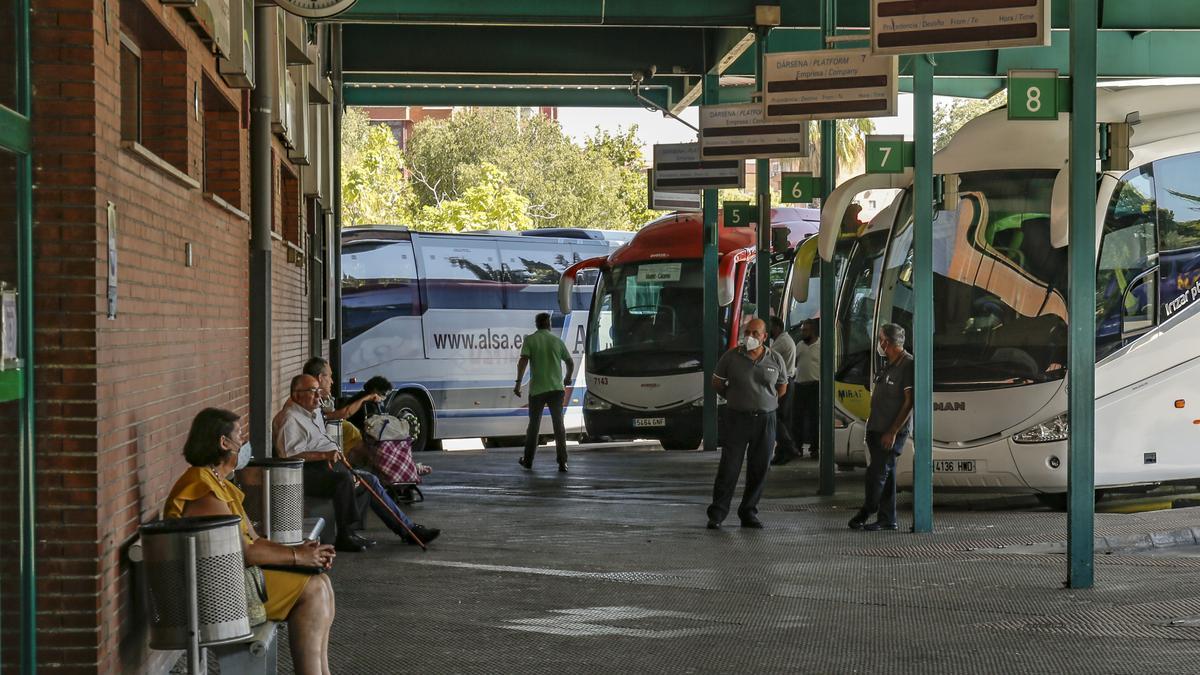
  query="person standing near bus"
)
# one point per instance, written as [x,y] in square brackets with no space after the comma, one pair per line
[783,345]
[545,353]
[807,398]
[887,429]
[752,379]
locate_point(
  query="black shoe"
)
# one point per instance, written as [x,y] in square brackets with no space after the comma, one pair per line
[524,465]
[365,541]
[752,523]
[857,522]
[349,545]
[713,525]
[878,525]
[562,468]
[425,534]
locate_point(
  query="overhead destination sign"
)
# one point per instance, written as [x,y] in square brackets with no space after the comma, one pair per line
[829,84]
[678,168]
[671,201]
[741,131]
[920,26]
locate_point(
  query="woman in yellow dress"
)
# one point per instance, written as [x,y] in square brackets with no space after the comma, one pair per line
[305,601]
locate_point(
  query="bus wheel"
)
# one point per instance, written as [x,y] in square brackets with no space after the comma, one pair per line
[680,442]
[407,406]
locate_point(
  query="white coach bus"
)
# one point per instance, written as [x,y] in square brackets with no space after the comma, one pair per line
[1000,299]
[443,316]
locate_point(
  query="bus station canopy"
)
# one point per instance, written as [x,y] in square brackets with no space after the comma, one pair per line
[583,52]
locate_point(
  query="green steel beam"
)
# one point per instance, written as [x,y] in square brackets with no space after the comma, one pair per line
[482,95]
[712,310]
[762,178]
[827,482]
[1081,302]
[1161,14]
[509,50]
[14,131]
[922,322]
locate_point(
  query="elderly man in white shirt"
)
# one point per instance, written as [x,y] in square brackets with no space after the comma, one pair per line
[783,345]
[300,434]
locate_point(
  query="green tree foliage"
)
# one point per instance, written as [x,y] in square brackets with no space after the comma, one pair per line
[374,188]
[948,118]
[623,151]
[565,185]
[489,204]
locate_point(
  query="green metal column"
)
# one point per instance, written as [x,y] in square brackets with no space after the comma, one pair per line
[26,462]
[763,179]
[712,310]
[922,326]
[1081,298]
[828,477]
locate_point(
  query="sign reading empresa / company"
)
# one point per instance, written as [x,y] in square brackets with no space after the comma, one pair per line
[740,130]
[678,168]
[829,84]
[921,26]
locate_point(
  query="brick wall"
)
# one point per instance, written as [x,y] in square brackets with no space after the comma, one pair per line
[116,397]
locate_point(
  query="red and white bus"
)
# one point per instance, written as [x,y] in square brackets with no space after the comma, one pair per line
[644,370]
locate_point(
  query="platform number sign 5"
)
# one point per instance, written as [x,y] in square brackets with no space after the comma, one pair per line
[1033,95]
[739,214]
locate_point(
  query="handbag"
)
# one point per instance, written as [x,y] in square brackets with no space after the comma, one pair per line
[256,595]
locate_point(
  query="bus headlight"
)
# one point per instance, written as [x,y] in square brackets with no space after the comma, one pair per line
[1046,432]
[593,402]
[699,403]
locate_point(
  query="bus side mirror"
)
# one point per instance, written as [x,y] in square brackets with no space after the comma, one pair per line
[802,265]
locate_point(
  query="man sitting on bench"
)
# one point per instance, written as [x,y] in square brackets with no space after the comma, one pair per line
[298,434]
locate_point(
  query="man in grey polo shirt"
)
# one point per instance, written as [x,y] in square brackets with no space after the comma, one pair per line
[752,379]
[887,429]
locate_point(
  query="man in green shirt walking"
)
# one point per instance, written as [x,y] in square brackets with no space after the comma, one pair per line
[547,387]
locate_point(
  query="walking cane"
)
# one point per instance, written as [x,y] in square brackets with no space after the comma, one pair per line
[358,480]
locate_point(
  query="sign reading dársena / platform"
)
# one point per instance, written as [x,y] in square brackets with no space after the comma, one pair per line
[921,26]
[742,131]
[829,84]
[678,168]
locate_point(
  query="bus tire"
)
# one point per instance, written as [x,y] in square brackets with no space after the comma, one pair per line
[680,442]
[407,404]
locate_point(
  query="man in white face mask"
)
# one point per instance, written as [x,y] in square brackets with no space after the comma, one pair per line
[752,379]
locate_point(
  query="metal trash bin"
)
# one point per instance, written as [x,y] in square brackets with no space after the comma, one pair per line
[195,562]
[279,484]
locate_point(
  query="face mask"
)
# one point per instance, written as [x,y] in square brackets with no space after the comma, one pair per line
[752,343]
[880,350]
[243,456]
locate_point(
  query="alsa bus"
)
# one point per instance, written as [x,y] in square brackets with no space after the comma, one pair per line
[1000,317]
[443,316]
[644,346]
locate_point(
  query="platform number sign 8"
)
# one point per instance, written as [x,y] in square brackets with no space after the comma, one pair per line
[1033,95]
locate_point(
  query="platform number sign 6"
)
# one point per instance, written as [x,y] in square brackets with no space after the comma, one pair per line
[1033,95]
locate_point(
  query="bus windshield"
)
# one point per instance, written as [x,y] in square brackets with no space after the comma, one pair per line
[646,318]
[856,313]
[998,284]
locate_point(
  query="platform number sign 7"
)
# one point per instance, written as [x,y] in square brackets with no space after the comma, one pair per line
[1033,95]
[885,154]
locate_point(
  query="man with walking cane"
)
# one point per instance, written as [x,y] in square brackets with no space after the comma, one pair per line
[298,434]
[752,379]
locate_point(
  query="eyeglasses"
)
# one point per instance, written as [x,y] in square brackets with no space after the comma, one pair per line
[313,390]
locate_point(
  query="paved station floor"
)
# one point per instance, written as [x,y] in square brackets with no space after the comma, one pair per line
[609,569]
